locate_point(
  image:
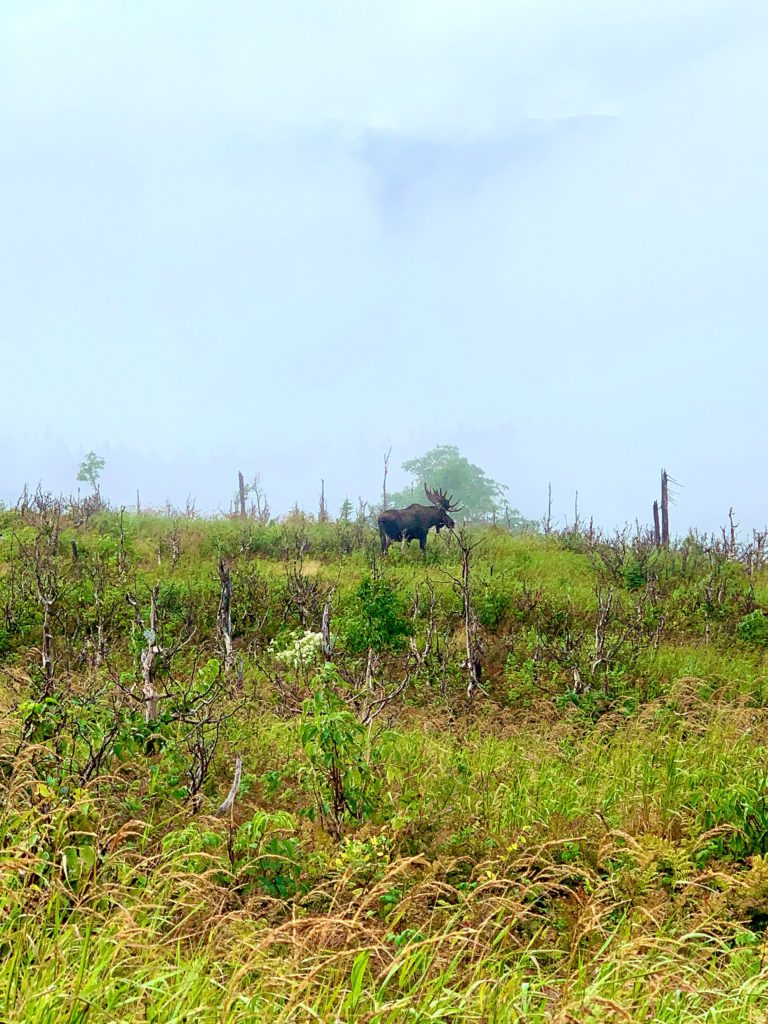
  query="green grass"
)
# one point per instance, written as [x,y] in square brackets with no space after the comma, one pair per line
[540,856]
[549,871]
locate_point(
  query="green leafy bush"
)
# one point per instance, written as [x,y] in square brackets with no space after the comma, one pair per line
[634,575]
[375,618]
[753,629]
[336,746]
[266,852]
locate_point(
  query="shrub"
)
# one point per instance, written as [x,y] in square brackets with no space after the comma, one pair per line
[267,854]
[335,743]
[634,574]
[375,619]
[753,629]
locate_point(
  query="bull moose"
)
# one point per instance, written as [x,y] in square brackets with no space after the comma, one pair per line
[415,522]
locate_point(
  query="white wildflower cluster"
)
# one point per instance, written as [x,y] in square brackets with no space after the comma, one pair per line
[305,649]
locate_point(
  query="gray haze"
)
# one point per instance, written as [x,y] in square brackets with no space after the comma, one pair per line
[285,237]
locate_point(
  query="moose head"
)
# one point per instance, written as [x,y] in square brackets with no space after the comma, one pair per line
[445,504]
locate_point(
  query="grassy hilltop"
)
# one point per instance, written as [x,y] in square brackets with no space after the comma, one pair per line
[532,786]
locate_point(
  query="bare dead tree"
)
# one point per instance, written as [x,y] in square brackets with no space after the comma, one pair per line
[122,556]
[473,643]
[665,509]
[100,577]
[174,543]
[241,490]
[325,628]
[305,593]
[148,656]
[138,503]
[380,698]
[39,560]
[733,527]
[229,802]
[224,614]
[656,526]
[547,521]
[423,653]
[202,743]
[259,510]
[48,594]
[384,496]
[361,523]
[755,552]
[322,513]
[602,622]
[154,653]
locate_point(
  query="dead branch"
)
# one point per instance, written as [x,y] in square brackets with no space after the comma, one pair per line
[228,804]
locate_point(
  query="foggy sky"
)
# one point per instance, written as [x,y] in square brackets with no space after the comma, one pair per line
[284,237]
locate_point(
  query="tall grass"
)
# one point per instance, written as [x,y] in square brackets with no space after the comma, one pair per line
[543,873]
[544,856]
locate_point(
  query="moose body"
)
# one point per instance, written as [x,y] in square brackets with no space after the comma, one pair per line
[415,521]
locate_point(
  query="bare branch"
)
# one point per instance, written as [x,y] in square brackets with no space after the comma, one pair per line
[228,804]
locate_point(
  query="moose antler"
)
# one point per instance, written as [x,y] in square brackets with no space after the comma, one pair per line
[440,498]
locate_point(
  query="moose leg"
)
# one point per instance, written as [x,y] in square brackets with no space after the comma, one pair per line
[384,540]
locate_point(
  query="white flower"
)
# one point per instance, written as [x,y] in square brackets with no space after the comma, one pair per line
[303,650]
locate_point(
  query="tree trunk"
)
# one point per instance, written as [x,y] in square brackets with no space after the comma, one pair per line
[241,486]
[664,509]
[656,527]
[224,615]
[228,804]
[47,648]
[325,630]
[473,664]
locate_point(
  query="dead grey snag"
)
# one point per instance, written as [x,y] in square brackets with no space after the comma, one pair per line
[473,662]
[322,513]
[733,528]
[174,543]
[151,698]
[548,520]
[241,488]
[325,629]
[148,688]
[148,655]
[228,804]
[578,682]
[602,624]
[48,594]
[47,648]
[664,508]
[384,497]
[656,527]
[122,561]
[224,614]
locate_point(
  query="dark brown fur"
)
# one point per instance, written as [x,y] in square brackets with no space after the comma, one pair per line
[415,522]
